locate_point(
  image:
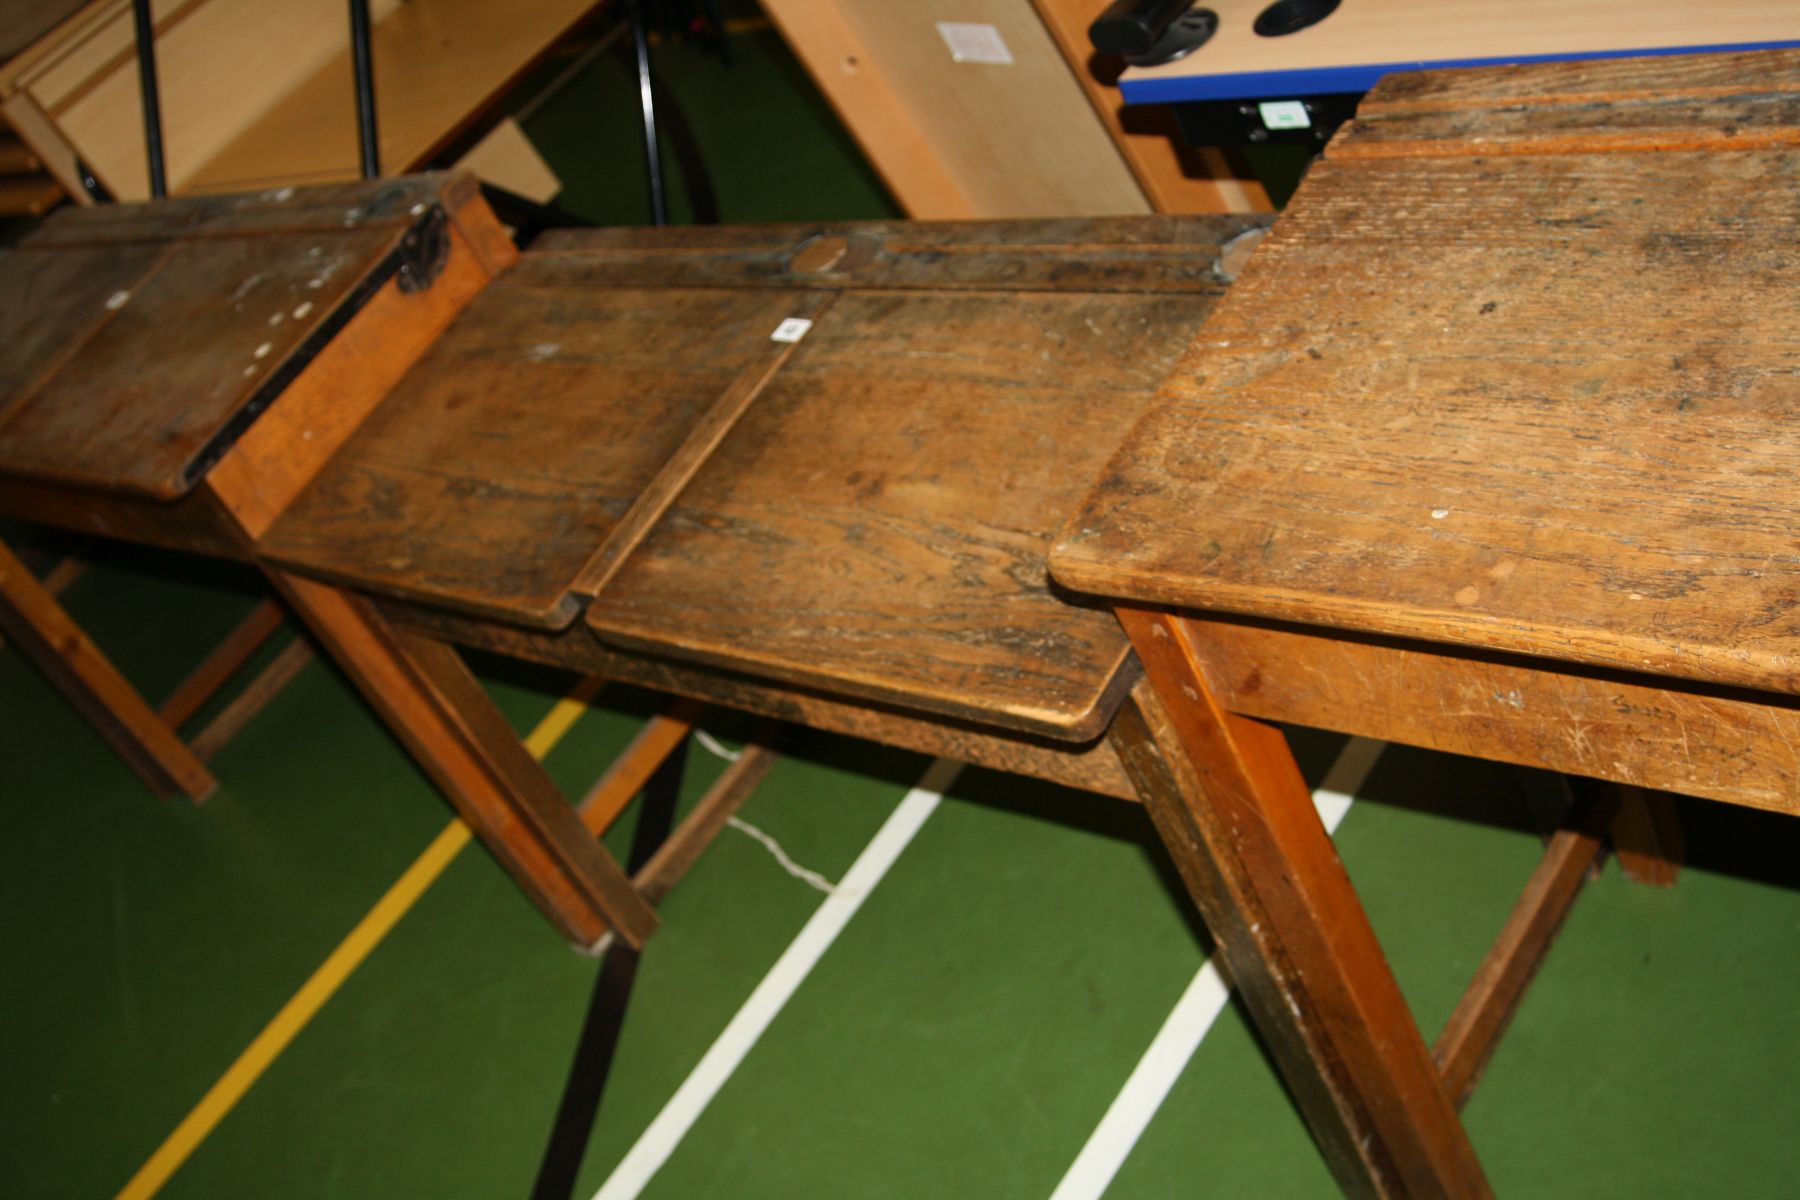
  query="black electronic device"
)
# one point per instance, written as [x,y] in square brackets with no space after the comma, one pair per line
[1147,33]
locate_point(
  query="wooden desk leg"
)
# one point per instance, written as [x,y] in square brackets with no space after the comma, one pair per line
[205,680]
[1646,835]
[65,654]
[1473,1031]
[439,711]
[1229,802]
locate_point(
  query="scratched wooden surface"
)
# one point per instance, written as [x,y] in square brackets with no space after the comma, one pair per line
[503,460]
[1578,81]
[1540,402]
[1135,254]
[879,518]
[1088,766]
[1721,743]
[917,448]
[875,524]
[1722,102]
[134,335]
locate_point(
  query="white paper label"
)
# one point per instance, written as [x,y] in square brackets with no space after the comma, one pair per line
[1285,114]
[975,43]
[791,330]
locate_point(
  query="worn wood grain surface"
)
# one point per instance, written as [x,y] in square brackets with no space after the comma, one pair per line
[1540,403]
[867,515]
[1090,766]
[1136,254]
[1715,101]
[1721,743]
[703,437]
[1235,815]
[1594,81]
[877,522]
[504,459]
[292,439]
[135,335]
[194,523]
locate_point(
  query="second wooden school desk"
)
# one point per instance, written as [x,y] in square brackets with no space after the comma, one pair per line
[809,473]
[1491,449]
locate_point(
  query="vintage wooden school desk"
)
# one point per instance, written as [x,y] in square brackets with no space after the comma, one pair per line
[173,373]
[845,529]
[1491,449]
[607,464]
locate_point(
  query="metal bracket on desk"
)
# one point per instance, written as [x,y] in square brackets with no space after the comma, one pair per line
[424,251]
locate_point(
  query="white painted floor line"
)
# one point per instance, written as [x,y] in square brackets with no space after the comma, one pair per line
[1146,1088]
[656,1143]
[1150,1081]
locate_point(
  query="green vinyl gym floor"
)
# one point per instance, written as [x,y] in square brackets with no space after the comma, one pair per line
[892,980]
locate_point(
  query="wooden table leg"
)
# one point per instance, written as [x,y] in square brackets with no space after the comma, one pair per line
[440,712]
[1230,804]
[205,680]
[1473,1031]
[47,635]
[1646,835]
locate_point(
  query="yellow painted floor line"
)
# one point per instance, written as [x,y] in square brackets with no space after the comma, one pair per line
[223,1096]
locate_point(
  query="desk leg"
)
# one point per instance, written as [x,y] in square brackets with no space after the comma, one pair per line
[440,712]
[1229,803]
[47,635]
[1646,836]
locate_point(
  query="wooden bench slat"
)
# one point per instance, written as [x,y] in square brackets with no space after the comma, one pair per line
[1591,81]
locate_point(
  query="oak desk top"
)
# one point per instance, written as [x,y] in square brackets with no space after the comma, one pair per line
[1517,370]
[863,510]
[138,341]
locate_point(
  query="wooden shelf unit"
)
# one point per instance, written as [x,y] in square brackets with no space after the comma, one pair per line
[260,95]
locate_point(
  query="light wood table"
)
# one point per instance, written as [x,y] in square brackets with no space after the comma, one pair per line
[1490,450]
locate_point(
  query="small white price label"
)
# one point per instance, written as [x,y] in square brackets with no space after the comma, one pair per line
[791,330]
[975,43]
[1285,114]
